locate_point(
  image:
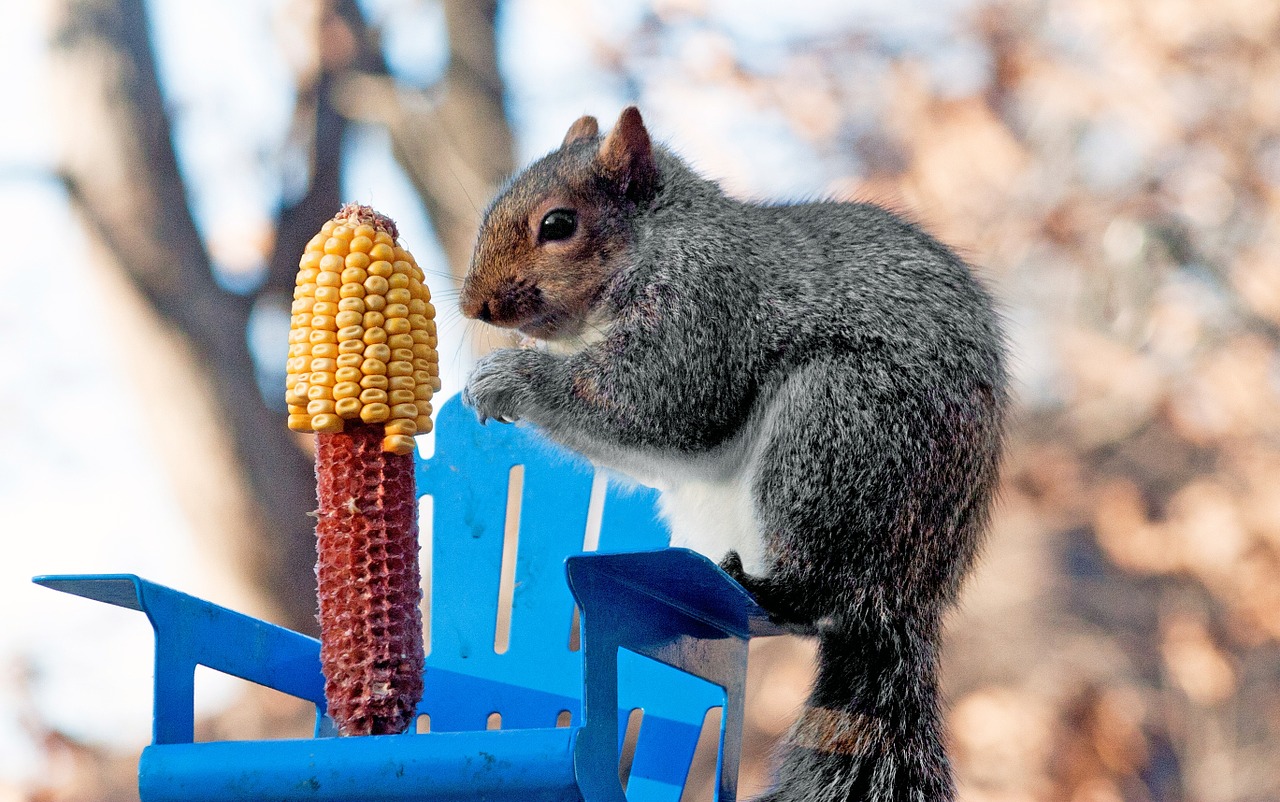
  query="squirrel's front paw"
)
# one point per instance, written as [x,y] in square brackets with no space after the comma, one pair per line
[501,385]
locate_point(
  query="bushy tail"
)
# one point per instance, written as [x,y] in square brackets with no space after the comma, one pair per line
[870,730]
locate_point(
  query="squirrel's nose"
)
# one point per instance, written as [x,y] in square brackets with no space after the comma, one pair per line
[484,313]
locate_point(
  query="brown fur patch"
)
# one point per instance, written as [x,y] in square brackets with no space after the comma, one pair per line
[838,732]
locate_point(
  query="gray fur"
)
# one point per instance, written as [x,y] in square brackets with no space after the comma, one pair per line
[845,372]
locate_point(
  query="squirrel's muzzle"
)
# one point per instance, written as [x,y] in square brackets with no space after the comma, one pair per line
[512,302]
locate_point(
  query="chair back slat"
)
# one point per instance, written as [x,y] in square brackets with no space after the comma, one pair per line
[469,478]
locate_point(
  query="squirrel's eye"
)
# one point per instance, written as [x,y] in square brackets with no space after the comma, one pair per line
[558,224]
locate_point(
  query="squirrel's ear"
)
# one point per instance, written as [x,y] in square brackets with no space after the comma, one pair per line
[585,127]
[626,155]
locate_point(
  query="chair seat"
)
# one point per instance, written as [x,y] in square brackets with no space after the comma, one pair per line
[524,765]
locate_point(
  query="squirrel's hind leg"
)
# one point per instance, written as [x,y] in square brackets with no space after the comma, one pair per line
[775,597]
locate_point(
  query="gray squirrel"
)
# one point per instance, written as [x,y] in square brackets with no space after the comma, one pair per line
[818,390]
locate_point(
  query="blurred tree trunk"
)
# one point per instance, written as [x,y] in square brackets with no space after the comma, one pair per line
[244,481]
[241,476]
[453,139]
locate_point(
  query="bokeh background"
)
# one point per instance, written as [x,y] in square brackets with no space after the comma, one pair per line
[1113,166]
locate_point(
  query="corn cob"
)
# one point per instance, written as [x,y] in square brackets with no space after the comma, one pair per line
[362,340]
[362,369]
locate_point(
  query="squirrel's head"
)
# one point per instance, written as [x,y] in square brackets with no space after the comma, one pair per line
[554,238]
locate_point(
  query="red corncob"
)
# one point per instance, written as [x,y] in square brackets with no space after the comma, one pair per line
[371,626]
[361,373]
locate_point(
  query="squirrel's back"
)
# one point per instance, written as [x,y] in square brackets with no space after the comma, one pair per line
[811,278]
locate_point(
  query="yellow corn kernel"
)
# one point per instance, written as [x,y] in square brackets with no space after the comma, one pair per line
[351,305]
[323,322]
[421,377]
[350,360]
[422,392]
[326,365]
[425,352]
[373,367]
[347,407]
[376,335]
[328,294]
[318,336]
[372,396]
[416,307]
[399,368]
[400,396]
[409,411]
[324,308]
[424,424]
[381,269]
[375,285]
[375,413]
[400,426]
[324,351]
[336,246]
[300,423]
[378,351]
[320,406]
[344,319]
[398,325]
[326,423]
[400,341]
[297,409]
[353,275]
[296,396]
[329,278]
[375,303]
[394,310]
[355,345]
[418,321]
[400,383]
[296,364]
[401,354]
[384,238]
[419,335]
[343,232]
[435,384]
[381,251]
[318,392]
[398,444]
[400,281]
[357,259]
[365,230]
[356,332]
[373,320]
[310,258]
[327,229]
[361,244]
[424,407]
[302,305]
[331,263]
[299,348]
[307,290]
[376,381]
[346,389]
[352,290]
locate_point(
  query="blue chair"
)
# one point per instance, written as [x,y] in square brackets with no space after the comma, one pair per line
[663,631]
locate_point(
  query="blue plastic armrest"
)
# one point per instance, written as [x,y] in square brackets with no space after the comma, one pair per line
[674,606]
[191,632]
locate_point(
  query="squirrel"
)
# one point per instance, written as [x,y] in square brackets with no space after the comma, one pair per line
[817,389]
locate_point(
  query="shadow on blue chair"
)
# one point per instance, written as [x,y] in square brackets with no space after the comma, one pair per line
[663,640]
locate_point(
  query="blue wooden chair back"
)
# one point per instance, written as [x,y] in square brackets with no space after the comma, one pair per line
[489,484]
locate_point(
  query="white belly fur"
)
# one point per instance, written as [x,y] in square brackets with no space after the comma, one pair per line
[714,518]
